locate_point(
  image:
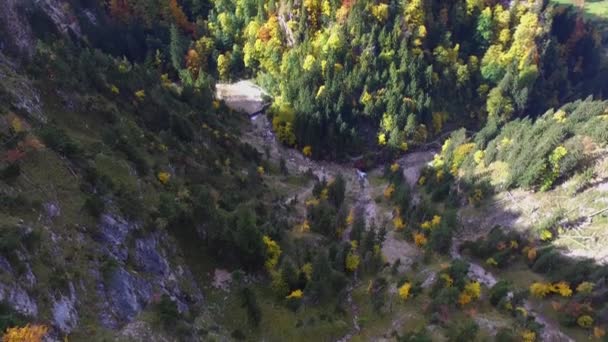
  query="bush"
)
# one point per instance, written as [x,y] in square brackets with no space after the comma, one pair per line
[10,238]
[458,271]
[10,173]
[94,205]
[505,335]
[462,331]
[548,261]
[59,141]
[237,334]
[250,303]
[445,297]
[14,203]
[131,206]
[499,291]
[9,317]
[168,313]
[441,239]
[415,336]
[322,218]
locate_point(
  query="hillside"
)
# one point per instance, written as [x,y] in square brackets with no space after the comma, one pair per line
[190,170]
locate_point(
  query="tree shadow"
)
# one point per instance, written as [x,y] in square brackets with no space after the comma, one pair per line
[497,234]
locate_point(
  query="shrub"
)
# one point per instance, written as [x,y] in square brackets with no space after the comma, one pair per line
[415,336]
[9,317]
[10,173]
[499,291]
[585,321]
[168,313]
[9,202]
[94,205]
[404,291]
[505,335]
[10,238]
[462,331]
[56,139]
[548,261]
[445,297]
[441,239]
[540,290]
[250,303]
[131,206]
[294,300]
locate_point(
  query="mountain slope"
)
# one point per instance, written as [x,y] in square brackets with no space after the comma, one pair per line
[135,205]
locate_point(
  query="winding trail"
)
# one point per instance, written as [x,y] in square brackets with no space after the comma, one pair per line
[550,332]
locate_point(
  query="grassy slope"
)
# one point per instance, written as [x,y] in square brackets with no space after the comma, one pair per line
[527,210]
[597,8]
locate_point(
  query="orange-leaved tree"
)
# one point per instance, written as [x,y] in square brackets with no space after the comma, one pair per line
[27,333]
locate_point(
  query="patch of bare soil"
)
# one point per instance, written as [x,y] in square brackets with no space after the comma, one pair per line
[243,96]
[413,163]
[222,279]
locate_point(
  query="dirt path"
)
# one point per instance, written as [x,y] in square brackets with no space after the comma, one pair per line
[550,332]
[355,312]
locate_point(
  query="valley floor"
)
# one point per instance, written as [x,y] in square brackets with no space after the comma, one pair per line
[509,209]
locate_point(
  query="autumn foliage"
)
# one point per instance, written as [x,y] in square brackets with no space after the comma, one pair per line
[119,9]
[28,333]
[404,291]
[540,289]
[180,17]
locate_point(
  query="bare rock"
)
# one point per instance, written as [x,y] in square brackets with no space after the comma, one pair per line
[114,231]
[65,315]
[18,299]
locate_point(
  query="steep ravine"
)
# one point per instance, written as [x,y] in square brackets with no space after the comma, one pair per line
[261,136]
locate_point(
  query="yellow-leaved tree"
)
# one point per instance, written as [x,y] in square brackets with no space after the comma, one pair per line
[419,239]
[464,299]
[163,177]
[404,291]
[563,289]
[28,333]
[273,252]
[398,223]
[307,151]
[388,191]
[307,270]
[295,294]
[585,321]
[471,291]
[528,336]
[585,287]
[540,290]
[352,259]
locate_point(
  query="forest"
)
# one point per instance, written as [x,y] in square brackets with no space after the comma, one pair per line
[396,73]
[419,172]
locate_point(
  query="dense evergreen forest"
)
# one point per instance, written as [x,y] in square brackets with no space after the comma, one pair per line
[357,72]
[136,205]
